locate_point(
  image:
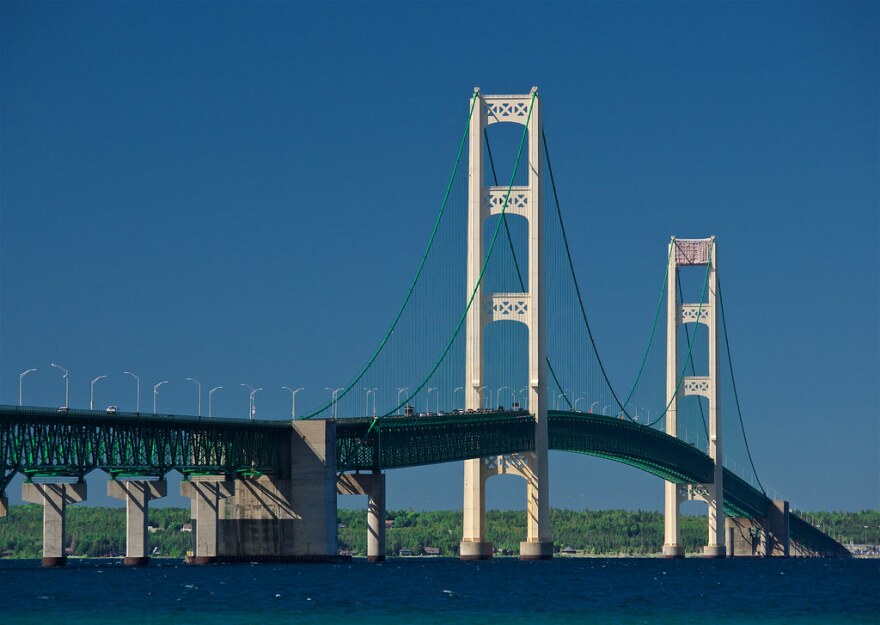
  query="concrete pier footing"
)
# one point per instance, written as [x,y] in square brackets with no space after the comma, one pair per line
[714,551]
[475,550]
[536,550]
[137,495]
[54,497]
[673,551]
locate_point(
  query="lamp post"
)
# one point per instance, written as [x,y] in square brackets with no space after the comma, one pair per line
[251,408]
[138,391]
[454,391]
[92,392]
[523,392]
[480,393]
[254,403]
[156,393]
[333,402]
[66,376]
[367,401]
[21,383]
[293,393]
[593,404]
[498,396]
[428,399]
[576,403]
[210,397]
[399,391]
[199,384]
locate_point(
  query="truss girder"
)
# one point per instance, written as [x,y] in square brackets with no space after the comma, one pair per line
[411,441]
[45,442]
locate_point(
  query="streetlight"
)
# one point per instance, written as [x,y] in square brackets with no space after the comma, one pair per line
[156,392]
[199,384]
[92,393]
[66,376]
[254,403]
[498,396]
[138,401]
[523,391]
[210,395]
[593,404]
[428,399]
[251,408]
[480,394]
[454,391]
[367,400]
[576,403]
[21,382]
[293,393]
[333,402]
[399,391]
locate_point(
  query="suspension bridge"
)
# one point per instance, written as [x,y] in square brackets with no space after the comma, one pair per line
[267,490]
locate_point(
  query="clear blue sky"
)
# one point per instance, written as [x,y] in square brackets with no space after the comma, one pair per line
[226,190]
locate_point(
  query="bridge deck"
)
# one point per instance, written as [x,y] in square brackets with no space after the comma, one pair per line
[48,442]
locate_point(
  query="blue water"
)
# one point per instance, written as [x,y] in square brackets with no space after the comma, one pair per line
[413,591]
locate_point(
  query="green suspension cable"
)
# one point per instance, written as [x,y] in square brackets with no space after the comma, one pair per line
[653,329]
[415,280]
[574,278]
[470,299]
[735,394]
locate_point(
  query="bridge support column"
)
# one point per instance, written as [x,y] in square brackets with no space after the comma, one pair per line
[4,506]
[54,497]
[778,525]
[473,544]
[671,546]
[373,486]
[313,482]
[746,537]
[137,495]
[206,494]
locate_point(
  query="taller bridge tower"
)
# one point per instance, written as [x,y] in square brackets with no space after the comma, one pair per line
[523,307]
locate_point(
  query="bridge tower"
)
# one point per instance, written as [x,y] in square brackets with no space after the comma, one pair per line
[527,308]
[694,252]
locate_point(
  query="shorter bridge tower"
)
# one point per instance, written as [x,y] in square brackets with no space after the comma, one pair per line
[694,252]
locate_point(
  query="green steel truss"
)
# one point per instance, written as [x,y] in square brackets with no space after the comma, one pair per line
[47,442]
[411,441]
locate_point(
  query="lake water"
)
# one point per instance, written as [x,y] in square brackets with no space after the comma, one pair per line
[412,591]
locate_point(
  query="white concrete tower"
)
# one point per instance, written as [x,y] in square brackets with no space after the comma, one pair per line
[694,252]
[526,308]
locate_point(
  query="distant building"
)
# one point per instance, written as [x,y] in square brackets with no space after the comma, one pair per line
[187,527]
[405,552]
[568,550]
[431,551]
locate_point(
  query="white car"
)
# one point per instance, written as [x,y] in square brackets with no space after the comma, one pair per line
[112,409]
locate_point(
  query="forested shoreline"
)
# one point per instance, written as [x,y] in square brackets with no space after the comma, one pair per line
[100,532]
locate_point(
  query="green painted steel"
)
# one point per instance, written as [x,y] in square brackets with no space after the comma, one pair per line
[48,442]
[395,442]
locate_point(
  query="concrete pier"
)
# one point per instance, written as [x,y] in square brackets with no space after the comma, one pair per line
[313,489]
[54,497]
[205,494]
[778,529]
[373,486]
[137,495]
[4,506]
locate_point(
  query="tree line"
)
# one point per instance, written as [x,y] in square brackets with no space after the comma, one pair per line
[100,532]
